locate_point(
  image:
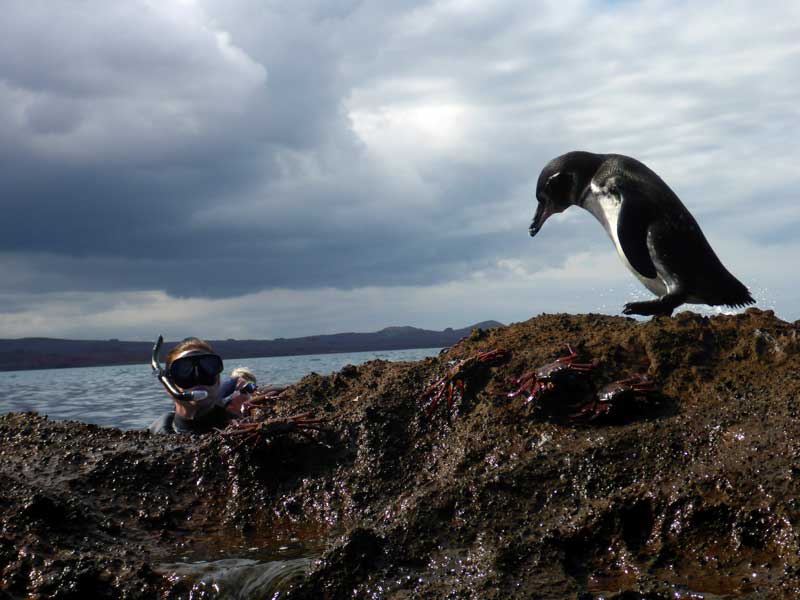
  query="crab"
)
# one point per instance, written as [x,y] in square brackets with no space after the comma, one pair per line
[563,375]
[625,392]
[455,382]
[570,383]
[255,432]
[262,399]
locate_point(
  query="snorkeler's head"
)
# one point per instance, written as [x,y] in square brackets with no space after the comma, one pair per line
[244,373]
[193,365]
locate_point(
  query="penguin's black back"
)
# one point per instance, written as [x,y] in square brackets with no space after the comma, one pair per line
[670,232]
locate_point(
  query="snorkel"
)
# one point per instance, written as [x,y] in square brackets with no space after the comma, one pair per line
[173,391]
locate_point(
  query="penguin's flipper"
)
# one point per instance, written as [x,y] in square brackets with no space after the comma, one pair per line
[632,227]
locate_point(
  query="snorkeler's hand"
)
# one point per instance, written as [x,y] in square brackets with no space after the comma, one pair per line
[189,409]
[237,401]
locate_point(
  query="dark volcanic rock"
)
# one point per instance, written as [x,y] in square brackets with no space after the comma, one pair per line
[697,498]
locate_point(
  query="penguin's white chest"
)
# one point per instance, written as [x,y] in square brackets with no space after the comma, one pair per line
[606,207]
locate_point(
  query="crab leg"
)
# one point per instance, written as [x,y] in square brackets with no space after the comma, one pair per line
[574,365]
[525,383]
[245,440]
[434,402]
[639,383]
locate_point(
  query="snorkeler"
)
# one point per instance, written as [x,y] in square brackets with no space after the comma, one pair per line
[238,387]
[192,379]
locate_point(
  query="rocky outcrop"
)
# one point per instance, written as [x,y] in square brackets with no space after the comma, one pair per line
[697,497]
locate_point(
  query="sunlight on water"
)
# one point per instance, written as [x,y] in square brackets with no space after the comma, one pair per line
[129,397]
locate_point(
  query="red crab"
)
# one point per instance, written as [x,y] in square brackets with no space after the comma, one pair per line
[456,380]
[262,399]
[255,432]
[625,392]
[564,374]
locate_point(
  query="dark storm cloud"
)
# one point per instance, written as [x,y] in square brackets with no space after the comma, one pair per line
[147,203]
[264,172]
[138,122]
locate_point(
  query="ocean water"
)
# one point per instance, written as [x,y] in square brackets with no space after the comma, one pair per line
[130,397]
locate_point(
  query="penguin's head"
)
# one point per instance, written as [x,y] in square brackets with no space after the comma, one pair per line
[561,184]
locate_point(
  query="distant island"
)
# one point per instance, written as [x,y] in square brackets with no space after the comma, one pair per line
[48,353]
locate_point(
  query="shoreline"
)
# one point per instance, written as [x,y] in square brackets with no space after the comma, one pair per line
[41,353]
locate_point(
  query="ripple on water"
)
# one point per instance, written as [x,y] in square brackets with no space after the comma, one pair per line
[129,397]
[240,578]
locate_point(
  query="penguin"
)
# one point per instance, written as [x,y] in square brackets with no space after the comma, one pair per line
[655,235]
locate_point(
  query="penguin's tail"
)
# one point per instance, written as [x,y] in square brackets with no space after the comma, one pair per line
[741,304]
[731,292]
[742,296]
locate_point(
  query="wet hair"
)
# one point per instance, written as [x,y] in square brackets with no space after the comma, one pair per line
[243,373]
[190,343]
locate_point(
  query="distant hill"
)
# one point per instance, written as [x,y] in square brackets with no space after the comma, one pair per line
[50,353]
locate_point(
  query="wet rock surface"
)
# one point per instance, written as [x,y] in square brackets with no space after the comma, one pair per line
[694,497]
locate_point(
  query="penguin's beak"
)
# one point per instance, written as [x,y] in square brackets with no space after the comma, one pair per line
[542,212]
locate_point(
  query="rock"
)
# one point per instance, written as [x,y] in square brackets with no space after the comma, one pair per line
[488,500]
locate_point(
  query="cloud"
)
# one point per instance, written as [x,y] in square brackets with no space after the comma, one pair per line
[216,151]
[493,292]
[508,290]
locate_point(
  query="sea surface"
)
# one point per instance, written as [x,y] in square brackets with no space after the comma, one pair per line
[130,397]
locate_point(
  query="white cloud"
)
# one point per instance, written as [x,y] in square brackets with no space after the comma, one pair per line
[136,81]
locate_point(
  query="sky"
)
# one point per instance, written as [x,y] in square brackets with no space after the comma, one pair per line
[251,169]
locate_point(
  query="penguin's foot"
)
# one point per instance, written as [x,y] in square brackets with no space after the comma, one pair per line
[651,307]
[661,307]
